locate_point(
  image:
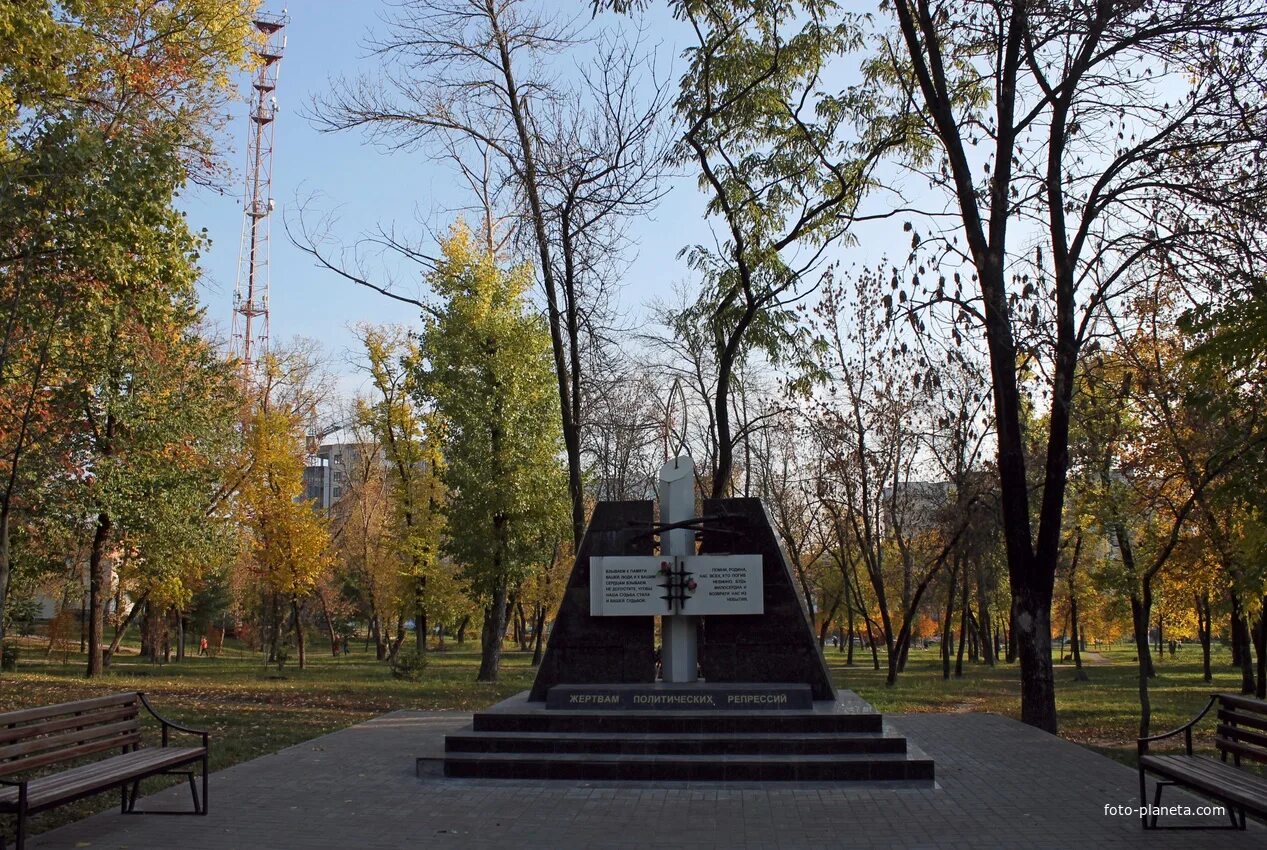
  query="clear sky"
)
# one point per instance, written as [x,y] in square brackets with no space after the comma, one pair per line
[367,187]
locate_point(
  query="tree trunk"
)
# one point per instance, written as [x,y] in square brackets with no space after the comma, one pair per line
[538,630]
[568,383]
[330,630]
[147,633]
[180,636]
[398,641]
[1074,633]
[522,620]
[300,647]
[963,627]
[984,618]
[1079,674]
[97,592]
[1011,637]
[1237,624]
[420,617]
[947,632]
[1140,603]
[1204,628]
[465,621]
[166,621]
[1240,646]
[122,631]
[380,645]
[5,560]
[1033,648]
[1260,646]
[493,633]
[875,651]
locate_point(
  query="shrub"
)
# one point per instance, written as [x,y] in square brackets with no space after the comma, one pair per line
[408,664]
[9,657]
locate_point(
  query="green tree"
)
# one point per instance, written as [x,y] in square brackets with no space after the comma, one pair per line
[155,412]
[485,368]
[107,110]
[287,543]
[782,179]
[411,443]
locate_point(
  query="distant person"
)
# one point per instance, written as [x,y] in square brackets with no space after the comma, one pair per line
[1172,648]
[347,649]
[202,646]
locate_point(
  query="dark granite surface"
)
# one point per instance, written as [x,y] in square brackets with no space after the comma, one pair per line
[777,646]
[583,649]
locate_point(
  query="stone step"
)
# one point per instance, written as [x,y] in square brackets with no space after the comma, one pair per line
[685,722]
[674,743]
[856,767]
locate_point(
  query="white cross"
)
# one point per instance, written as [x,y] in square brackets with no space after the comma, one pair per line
[677,584]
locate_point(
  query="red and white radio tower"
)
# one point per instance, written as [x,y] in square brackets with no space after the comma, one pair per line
[250,295]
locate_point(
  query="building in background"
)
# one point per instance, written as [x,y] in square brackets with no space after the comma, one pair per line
[328,470]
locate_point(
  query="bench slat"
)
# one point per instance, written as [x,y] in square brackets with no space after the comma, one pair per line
[111,769]
[32,762]
[65,740]
[1220,773]
[49,791]
[1246,752]
[1244,703]
[1243,736]
[9,734]
[1213,777]
[1241,719]
[48,711]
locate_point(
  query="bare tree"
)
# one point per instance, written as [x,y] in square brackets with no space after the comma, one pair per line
[466,79]
[1067,138]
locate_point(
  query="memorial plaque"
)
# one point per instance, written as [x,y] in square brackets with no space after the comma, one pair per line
[626,585]
[725,584]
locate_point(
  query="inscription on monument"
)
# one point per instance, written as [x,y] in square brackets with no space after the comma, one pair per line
[668,697]
[632,585]
[625,585]
[726,584]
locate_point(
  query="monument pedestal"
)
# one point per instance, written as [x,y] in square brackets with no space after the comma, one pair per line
[844,740]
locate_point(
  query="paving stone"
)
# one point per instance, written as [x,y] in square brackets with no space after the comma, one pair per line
[1000,784]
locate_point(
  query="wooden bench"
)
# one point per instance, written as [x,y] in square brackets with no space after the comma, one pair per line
[34,738]
[1242,734]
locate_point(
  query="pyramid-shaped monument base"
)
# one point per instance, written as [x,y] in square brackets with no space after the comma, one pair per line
[764,708]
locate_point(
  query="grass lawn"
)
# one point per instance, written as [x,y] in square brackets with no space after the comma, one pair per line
[252,710]
[1102,713]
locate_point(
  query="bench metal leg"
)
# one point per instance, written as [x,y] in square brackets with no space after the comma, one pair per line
[1157,802]
[1237,815]
[200,806]
[1143,796]
[19,835]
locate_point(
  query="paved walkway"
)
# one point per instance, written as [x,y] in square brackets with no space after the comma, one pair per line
[1000,784]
